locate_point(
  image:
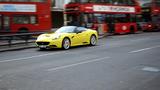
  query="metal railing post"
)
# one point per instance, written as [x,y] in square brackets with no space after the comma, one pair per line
[10,41]
[23,37]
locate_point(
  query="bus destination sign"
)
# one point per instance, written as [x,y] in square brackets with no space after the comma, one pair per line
[102,8]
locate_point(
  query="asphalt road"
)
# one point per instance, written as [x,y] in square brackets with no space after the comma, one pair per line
[122,62]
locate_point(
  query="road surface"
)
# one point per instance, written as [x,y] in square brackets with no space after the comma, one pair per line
[121,62]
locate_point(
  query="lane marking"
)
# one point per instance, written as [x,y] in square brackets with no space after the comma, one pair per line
[141,39]
[151,69]
[30,57]
[144,49]
[76,64]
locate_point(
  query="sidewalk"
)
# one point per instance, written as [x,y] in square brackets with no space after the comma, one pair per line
[16,45]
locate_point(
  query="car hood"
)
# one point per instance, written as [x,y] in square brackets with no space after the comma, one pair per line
[49,36]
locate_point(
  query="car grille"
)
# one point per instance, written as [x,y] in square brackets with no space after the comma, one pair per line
[43,43]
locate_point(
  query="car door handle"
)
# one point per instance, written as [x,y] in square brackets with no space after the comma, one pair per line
[72,36]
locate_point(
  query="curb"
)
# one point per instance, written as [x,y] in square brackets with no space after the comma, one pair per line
[17,48]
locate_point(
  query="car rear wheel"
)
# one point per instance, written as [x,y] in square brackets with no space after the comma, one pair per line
[93,40]
[66,43]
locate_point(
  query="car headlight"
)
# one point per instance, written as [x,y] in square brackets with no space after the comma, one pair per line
[39,37]
[43,36]
[56,37]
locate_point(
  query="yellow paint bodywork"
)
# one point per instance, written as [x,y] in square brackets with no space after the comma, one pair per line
[55,39]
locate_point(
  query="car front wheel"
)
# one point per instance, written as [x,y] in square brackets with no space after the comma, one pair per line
[66,43]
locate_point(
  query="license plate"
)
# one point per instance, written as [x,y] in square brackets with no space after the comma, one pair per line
[42,46]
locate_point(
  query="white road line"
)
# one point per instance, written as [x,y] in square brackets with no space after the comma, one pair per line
[144,49]
[141,39]
[76,64]
[30,57]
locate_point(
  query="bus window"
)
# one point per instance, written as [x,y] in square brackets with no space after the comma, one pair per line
[121,18]
[74,1]
[88,19]
[6,23]
[24,19]
[72,20]
[92,1]
[131,2]
[33,19]
[139,18]
[132,18]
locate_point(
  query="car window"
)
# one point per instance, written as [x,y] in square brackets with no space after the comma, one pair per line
[80,29]
[66,29]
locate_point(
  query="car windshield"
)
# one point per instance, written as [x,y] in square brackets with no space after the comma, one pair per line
[66,29]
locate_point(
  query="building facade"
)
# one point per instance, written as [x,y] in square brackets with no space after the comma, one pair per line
[57,12]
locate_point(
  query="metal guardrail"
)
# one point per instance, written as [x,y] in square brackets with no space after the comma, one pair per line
[25,37]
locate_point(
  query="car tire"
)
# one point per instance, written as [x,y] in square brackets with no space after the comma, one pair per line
[93,40]
[66,43]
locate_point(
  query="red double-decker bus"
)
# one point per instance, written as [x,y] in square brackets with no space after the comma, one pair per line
[25,16]
[112,16]
[150,17]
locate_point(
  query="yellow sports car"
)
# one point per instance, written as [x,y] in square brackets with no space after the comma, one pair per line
[66,37]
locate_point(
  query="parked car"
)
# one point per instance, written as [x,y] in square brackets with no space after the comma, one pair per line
[66,37]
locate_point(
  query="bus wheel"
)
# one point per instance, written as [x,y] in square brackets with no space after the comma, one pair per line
[23,30]
[132,30]
[24,37]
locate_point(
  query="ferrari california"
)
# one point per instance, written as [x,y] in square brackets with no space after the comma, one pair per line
[66,37]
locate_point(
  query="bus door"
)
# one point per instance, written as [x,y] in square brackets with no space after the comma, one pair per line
[111,23]
[4,23]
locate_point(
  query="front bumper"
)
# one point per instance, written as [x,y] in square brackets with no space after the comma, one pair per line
[49,43]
